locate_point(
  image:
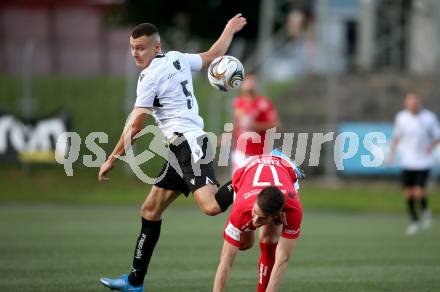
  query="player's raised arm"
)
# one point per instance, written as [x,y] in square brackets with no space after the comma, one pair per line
[282,256]
[224,267]
[219,48]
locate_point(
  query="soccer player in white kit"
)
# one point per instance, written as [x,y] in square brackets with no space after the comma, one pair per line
[417,131]
[165,87]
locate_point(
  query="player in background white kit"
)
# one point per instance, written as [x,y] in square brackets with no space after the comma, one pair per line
[417,131]
[165,87]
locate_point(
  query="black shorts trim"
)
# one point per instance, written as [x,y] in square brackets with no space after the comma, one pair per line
[181,173]
[411,178]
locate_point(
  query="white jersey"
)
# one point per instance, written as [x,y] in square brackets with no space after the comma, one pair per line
[166,87]
[416,133]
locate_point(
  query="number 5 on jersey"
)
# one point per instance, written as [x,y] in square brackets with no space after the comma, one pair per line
[187,93]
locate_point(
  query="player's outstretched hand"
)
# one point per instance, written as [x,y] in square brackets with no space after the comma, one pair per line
[105,168]
[236,23]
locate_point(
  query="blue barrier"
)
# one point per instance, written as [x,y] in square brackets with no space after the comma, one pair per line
[354,165]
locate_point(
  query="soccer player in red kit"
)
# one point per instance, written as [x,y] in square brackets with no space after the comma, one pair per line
[266,197]
[253,115]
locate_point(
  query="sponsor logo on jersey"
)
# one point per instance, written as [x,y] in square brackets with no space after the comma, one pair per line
[141,77]
[251,193]
[171,75]
[233,232]
[192,181]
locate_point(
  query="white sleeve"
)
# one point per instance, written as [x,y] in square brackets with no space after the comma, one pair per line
[146,92]
[195,61]
[435,128]
[397,132]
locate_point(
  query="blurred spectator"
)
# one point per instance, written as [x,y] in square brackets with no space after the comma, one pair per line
[253,115]
[418,131]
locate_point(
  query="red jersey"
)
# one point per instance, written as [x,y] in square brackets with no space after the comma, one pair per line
[258,173]
[259,109]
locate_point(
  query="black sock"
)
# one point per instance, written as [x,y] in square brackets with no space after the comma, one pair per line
[225,196]
[424,203]
[144,249]
[412,209]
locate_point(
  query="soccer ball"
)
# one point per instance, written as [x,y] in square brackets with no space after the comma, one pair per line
[225,73]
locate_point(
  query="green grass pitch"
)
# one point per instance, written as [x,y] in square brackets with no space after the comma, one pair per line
[53,247]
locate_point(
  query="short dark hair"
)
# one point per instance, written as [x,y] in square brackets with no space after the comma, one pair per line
[271,200]
[414,93]
[144,29]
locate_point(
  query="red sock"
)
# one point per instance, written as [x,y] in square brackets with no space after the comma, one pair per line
[265,265]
